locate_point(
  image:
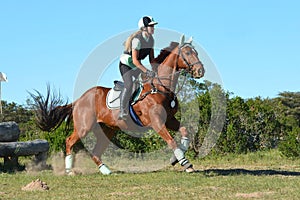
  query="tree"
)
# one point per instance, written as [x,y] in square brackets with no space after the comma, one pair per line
[14,112]
[292,102]
[290,143]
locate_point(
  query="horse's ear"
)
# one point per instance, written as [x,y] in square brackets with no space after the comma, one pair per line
[182,38]
[190,40]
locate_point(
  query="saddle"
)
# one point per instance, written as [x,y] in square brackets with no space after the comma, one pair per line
[113,99]
[113,95]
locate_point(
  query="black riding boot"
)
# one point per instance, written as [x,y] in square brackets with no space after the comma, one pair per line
[124,104]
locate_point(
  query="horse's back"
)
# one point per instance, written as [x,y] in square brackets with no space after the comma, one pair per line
[91,98]
[95,91]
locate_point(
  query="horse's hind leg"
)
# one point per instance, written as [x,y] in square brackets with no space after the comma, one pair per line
[82,126]
[104,136]
[70,141]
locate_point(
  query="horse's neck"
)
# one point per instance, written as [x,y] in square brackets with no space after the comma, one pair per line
[167,72]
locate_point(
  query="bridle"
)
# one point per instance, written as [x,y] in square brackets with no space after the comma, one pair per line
[186,71]
[176,71]
[180,54]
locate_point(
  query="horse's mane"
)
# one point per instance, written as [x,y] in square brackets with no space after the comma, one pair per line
[163,54]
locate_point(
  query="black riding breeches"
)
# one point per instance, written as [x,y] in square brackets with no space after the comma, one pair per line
[128,74]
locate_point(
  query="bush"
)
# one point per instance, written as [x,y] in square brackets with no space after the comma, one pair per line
[56,140]
[290,145]
[250,124]
[146,142]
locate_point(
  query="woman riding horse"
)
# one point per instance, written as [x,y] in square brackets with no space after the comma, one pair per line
[137,47]
[155,110]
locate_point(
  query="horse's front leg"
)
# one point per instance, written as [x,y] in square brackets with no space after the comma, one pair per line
[184,144]
[174,125]
[158,119]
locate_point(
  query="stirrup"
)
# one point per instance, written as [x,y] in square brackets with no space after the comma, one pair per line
[123,116]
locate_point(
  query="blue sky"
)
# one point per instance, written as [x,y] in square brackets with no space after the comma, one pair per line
[255,45]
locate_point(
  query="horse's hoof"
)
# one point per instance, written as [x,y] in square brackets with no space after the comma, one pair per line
[71,173]
[190,170]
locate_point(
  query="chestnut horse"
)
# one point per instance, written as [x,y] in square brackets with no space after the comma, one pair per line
[156,107]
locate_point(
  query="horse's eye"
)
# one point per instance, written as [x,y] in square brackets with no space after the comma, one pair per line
[188,53]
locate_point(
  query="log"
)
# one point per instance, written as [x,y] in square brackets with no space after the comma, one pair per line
[9,132]
[14,149]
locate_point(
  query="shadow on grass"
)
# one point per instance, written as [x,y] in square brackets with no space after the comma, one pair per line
[14,168]
[11,169]
[238,171]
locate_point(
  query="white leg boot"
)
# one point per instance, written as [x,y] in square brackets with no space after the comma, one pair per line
[188,167]
[104,169]
[184,146]
[69,163]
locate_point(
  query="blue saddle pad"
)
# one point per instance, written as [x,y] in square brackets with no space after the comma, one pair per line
[134,116]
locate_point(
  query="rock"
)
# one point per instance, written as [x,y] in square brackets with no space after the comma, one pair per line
[23,148]
[9,132]
[36,185]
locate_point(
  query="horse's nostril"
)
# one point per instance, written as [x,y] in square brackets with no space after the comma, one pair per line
[200,72]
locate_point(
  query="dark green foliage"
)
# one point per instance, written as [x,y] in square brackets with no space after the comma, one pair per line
[290,109]
[290,145]
[292,101]
[56,139]
[234,138]
[235,124]
[139,143]
[251,125]
[15,112]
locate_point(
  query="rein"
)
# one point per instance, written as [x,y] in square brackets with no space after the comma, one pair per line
[154,89]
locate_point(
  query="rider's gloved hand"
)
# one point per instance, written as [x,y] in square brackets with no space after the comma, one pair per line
[150,73]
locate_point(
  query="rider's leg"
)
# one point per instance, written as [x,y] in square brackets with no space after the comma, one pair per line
[124,103]
[126,92]
[127,74]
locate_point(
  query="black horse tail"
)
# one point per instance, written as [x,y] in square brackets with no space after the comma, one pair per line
[51,111]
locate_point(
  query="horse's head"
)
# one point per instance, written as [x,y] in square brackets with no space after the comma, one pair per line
[188,58]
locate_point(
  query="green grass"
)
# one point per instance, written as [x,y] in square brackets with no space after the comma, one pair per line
[262,175]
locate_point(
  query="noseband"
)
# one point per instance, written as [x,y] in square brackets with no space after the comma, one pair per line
[180,54]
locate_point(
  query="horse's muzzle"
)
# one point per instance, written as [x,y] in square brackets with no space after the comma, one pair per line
[198,72]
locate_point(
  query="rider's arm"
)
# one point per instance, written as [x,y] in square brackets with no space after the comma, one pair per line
[151,56]
[135,54]
[136,62]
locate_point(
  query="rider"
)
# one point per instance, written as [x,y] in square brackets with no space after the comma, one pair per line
[138,46]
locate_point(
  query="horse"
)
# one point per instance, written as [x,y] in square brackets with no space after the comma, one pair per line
[155,108]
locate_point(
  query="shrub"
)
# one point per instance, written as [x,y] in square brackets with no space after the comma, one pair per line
[290,145]
[141,143]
